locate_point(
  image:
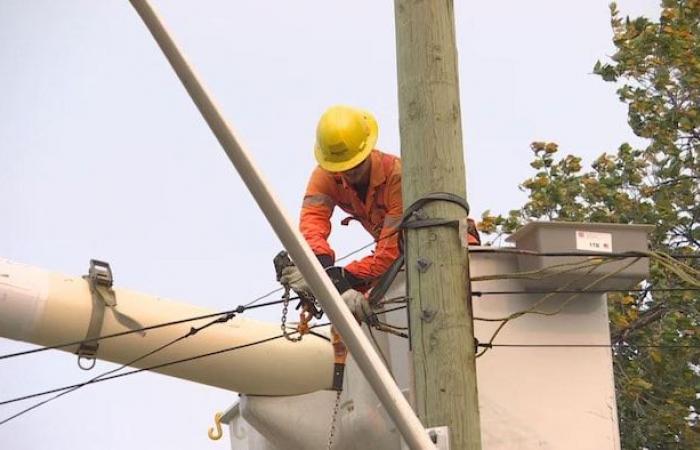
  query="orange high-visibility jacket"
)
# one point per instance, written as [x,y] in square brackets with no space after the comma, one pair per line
[380,213]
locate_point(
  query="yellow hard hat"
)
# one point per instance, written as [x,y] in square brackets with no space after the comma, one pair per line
[345,137]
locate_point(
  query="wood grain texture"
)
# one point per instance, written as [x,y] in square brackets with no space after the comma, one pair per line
[431,150]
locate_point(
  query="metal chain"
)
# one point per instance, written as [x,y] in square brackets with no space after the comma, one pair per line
[285,308]
[336,408]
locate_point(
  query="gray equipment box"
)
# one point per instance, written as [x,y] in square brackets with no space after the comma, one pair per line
[594,242]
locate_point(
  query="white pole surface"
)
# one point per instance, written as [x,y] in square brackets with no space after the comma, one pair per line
[367,359]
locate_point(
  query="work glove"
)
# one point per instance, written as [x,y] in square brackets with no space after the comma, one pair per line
[357,304]
[292,278]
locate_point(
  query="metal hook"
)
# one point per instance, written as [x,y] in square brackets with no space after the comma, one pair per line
[86,358]
[215,435]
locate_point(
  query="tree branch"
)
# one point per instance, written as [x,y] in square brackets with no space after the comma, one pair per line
[653,314]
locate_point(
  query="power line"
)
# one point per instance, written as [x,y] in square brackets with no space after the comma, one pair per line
[578,291]
[630,254]
[683,271]
[264,296]
[104,376]
[191,332]
[397,308]
[238,310]
[154,367]
[661,346]
[252,302]
[611,255]
[92,380]
[534,308]
[366,246]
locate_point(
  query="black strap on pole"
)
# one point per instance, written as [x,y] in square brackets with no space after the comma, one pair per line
[414,218]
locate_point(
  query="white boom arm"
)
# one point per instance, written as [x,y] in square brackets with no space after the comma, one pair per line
[367,359]
[48,308]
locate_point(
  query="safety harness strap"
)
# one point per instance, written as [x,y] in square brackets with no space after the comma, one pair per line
[100,281]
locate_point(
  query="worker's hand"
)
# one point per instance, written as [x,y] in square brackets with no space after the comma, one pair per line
[358,304]
[292,277]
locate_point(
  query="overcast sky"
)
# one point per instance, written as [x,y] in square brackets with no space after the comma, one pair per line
[103,155]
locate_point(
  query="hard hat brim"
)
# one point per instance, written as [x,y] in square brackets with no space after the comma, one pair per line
[335,166]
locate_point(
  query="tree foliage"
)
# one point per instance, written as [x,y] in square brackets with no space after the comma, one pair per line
[656,67]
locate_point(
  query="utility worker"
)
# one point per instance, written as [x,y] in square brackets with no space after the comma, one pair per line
[362,181]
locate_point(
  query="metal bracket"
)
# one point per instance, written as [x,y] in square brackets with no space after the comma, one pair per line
[427,315]
[100,280]
[423,264]
[440,437]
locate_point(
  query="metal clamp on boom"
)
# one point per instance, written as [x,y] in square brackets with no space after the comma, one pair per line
[100,280]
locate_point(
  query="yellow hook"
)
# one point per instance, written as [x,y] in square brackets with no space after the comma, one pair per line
[215,435]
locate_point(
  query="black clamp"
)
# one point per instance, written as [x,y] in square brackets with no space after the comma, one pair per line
[478,344]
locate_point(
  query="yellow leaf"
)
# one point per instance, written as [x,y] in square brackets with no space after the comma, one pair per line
[641,383]
[551,147]
[621,322]
[655,355]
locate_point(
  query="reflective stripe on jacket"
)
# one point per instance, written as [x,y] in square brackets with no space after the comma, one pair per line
[380,213]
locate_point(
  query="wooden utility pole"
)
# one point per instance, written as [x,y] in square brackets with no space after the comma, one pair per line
[442,333]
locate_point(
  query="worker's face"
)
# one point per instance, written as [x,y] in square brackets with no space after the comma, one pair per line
[359,173]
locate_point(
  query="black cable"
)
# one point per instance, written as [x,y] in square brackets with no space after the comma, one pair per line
[532,310]
[238,310]
[103,377]
[92,380]
[319,335]
[487,345]
[192,332]
[397,308]
[408,213]
[250,305]
[252,302]
[264,296]
[366,246]
[578,291]
[378,348]
[224,317]
[630,254]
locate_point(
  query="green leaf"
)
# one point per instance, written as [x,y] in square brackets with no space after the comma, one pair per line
[656,70]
